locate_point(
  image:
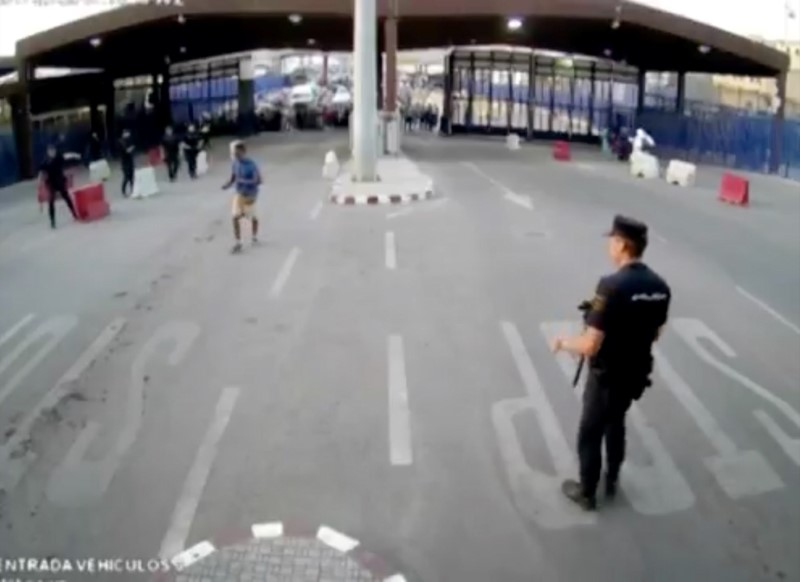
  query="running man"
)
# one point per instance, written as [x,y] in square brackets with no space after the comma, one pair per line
[126,155]
[247,177]
[52,172]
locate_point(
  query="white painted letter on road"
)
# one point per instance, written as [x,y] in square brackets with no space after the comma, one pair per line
[692,330]
[537,494]
[78,481]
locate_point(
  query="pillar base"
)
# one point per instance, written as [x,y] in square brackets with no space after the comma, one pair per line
[390,132]
[400,182]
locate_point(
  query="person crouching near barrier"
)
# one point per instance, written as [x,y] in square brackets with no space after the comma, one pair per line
[247,178]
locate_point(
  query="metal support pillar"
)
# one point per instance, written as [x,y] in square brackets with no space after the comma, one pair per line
[640,83]
[680,97]
[471,84]
[21,121]
[390,82]
[592,75]
[246,97]
[447,114]
[531,93]
[365,82]
[777,125]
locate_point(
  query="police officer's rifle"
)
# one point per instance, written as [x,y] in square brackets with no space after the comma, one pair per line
[585,307]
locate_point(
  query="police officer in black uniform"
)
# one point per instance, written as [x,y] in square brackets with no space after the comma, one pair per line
[171,145]
[627,315]
[127,151]
[52,172]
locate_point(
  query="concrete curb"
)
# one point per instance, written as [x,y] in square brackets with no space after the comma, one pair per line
[359,199]
[261,532]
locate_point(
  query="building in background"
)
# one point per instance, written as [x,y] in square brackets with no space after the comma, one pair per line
[754,93]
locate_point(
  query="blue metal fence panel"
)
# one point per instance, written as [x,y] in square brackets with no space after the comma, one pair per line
[728,137]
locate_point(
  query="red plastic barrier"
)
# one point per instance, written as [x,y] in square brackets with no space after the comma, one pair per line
[154,156]
[734,190]
[561,151]
[43,192]
[90,202]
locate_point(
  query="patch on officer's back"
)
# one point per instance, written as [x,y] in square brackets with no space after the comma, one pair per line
[598,303]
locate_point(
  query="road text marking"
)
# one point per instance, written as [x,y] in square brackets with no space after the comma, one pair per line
[183,515]
[54,330]
[82,479]
[314,214]
[537,494]
[16,327]
[399,413]
[12,465]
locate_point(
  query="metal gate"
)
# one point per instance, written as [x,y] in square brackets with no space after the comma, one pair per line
[538,95]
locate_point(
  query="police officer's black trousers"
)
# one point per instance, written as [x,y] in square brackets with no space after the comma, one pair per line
[59,190]
[127,178]
[172,166]
[191,162]
[603,417]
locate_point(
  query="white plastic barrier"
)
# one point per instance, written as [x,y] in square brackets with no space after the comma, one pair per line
[512,141]
[144,183]
[330,168]
[99,171]
[202,163]
[681,173]
[644,165]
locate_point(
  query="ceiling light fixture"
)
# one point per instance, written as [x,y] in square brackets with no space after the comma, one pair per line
[183,49]
[704,48]
[95,42]
[295,18]
[311,42]
[181,19]
[514,23]
[615,24]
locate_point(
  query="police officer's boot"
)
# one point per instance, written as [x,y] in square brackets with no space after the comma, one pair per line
[611,486]
[574,492]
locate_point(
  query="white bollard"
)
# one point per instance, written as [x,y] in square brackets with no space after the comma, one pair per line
[99,171]
[330,167]
[644,165]
[144,183]
[202,163]
[512,141]
[681,173]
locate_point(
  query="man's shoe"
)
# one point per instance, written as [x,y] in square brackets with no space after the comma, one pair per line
[574,492]
[237,248]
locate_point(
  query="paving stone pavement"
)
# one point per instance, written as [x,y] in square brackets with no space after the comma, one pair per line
[277,560]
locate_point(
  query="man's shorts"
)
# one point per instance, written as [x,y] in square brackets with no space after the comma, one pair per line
[243,207]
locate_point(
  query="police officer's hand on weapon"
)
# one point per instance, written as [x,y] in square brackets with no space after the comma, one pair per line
[623,320]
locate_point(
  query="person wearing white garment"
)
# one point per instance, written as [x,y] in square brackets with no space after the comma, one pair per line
[641,141]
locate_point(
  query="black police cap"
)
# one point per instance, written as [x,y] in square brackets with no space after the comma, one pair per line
[629,228]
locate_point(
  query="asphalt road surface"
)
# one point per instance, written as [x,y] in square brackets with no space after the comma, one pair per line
[384,371]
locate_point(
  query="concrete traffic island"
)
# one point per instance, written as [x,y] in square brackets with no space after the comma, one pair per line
[399,181]
[370,178]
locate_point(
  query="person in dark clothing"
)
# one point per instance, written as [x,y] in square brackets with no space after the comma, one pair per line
[95,148]
[52,172]
[205,132]
[171,145]
[191,145]
[627,316]
[126,152]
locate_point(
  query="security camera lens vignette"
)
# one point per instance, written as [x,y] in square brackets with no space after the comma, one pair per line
[397,292]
